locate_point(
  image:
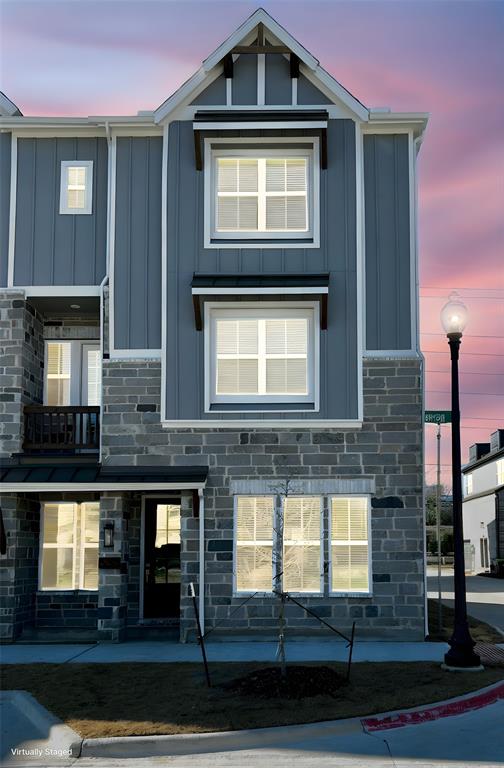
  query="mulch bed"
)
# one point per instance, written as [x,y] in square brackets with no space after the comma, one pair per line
[299,682]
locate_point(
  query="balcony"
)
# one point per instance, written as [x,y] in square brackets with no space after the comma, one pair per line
[68,429]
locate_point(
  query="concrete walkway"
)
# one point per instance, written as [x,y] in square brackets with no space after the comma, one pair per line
[167,652]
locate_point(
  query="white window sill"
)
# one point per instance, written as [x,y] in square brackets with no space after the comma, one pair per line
[366,595]
[55,590]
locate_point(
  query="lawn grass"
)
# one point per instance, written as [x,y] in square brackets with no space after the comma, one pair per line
[99,700]
[480,631]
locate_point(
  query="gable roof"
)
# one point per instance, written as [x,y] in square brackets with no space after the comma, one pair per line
[282,36]
[7,107]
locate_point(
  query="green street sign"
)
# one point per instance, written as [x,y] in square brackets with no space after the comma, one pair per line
[438,417]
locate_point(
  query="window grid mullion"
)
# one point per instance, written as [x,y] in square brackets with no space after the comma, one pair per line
[261,349]
[261,190]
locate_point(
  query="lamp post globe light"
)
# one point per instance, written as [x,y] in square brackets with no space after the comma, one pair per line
[461,654]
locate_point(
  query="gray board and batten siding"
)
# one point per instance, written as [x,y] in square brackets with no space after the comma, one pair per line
[336,255]
[277,85]
[137,251]
[388,267]
[5,164]
[53,248]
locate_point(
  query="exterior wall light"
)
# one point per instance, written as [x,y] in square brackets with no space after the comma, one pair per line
[108,535]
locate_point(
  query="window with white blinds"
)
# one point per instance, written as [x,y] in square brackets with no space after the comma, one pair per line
[262,195]
[349,522]
[76,186]
[72,373]
[302,544]
[254,543]
[69,546]
[265,355]
[58,372]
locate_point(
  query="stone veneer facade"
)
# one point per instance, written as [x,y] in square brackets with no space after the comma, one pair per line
[387,450]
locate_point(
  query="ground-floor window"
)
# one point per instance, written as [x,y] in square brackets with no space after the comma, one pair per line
[69,546]
[280,543]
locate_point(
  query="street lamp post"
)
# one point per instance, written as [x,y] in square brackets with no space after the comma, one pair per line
[461,654]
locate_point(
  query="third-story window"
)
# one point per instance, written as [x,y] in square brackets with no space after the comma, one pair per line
[76,186]
[262,194]
[262,355]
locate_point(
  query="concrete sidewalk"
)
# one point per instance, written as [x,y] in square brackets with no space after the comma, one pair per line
[166,652]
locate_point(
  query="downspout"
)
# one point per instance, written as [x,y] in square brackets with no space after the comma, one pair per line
[102,351]
[105,280]
[201,560]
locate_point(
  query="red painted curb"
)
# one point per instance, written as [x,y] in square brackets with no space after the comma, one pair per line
[429,714]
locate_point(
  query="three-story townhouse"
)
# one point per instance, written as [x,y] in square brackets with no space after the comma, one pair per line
[209,332]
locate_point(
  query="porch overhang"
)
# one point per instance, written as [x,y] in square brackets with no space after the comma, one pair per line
[40,478]
[259,288]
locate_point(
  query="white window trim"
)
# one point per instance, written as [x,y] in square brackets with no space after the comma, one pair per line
[283,499]
[350,593]
[88,206]
[500,471]
[76,554]
[307,239]
[325,500]
[244,592]
[468,484]
[261,309]
[78,371]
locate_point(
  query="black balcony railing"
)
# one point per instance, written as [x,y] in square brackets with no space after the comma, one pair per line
[68,428]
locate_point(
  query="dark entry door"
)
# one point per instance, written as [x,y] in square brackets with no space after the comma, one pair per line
[162,559]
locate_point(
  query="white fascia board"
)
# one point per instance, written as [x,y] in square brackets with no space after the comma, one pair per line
[260,290]
[110,486]
[186,91]
[334,90]
[263,424]
[259,17]
[391,122]
[41,291]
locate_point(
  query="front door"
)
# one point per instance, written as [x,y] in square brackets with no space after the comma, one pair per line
[162,559]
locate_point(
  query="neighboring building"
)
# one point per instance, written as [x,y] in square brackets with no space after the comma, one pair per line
[205,306]
[483,503]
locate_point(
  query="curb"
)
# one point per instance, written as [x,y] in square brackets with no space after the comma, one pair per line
[226,741]
[61,737]
[223,741]
[448,708]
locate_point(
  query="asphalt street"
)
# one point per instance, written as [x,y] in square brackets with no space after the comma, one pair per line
[485,595]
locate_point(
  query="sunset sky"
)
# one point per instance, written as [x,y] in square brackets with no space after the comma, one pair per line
[445,58]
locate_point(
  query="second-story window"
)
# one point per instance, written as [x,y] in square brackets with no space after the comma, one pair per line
[261,194]
[500,472]
[72,373]
[76,189]
[262,354]
[468,485]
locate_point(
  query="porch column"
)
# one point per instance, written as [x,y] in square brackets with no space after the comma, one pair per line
[19,565]
[21,375]
[113,569]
